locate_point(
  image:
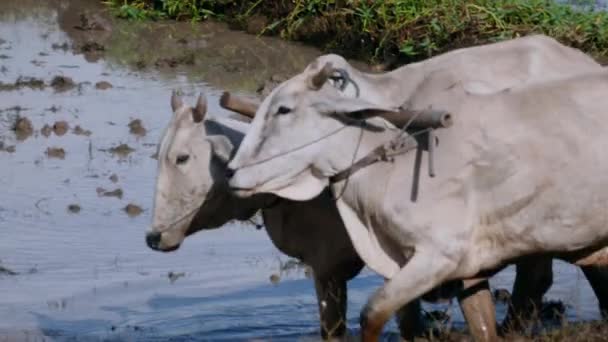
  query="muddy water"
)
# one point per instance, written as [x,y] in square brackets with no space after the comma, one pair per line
[83,270]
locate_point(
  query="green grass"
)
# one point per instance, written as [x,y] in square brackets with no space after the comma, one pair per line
[394,29]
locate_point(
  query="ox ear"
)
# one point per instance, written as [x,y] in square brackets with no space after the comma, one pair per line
[222,147]
[350,108]
[199,111]
[176,101]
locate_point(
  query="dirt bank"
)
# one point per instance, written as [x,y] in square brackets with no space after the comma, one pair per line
[391,32]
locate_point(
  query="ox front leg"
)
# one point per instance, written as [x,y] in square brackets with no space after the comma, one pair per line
[598,279]
[331,298]
[425,270]
[533,278]
[478,308]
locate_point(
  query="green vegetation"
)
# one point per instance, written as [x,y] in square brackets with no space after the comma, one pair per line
[394,29]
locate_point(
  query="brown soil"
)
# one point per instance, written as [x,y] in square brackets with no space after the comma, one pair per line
[62,83]
[256,23]
[74,208]
[55,152]
[133,210]
[137,128]
[23,128]
[103,85]
[114,193]
[60,128]
[81,131]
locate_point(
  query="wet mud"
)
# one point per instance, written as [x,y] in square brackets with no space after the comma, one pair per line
[78,130]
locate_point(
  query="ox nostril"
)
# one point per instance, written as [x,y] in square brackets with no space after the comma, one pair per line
[229,173]
[153,240]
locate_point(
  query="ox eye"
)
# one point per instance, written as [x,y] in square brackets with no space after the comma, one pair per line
[283,110]
[181,159]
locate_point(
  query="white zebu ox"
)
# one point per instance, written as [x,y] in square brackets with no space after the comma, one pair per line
[191,173]
[520,173]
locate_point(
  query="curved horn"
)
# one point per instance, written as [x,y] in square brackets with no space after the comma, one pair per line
[176,101]
[198,112]
[238,104]
[318,80]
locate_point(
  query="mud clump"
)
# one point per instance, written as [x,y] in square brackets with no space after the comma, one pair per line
[7,271]
[62,83]
[23,82]
[9,149]
[46,130]
[92,22]
[275,278]
[113,178]
[141,64]
[64,46]
[23,128]
[103,85]
[55,152]
[81,131]
[114,193]
[60,128]
[172,62]
[173,276]
[137,128]
[74,208]
[121,150]
[133,210]
[91,46]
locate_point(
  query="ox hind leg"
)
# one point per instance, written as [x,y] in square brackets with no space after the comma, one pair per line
[598,279]
[533,279]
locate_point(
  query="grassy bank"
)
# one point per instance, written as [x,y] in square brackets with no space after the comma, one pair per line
[388,30]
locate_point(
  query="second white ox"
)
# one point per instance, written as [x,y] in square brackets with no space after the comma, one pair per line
[521,172]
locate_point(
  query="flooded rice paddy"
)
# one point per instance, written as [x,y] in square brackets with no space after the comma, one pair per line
[83,102]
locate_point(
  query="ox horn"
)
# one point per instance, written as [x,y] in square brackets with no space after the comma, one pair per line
[198,112]
[318,80]
[239,105]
